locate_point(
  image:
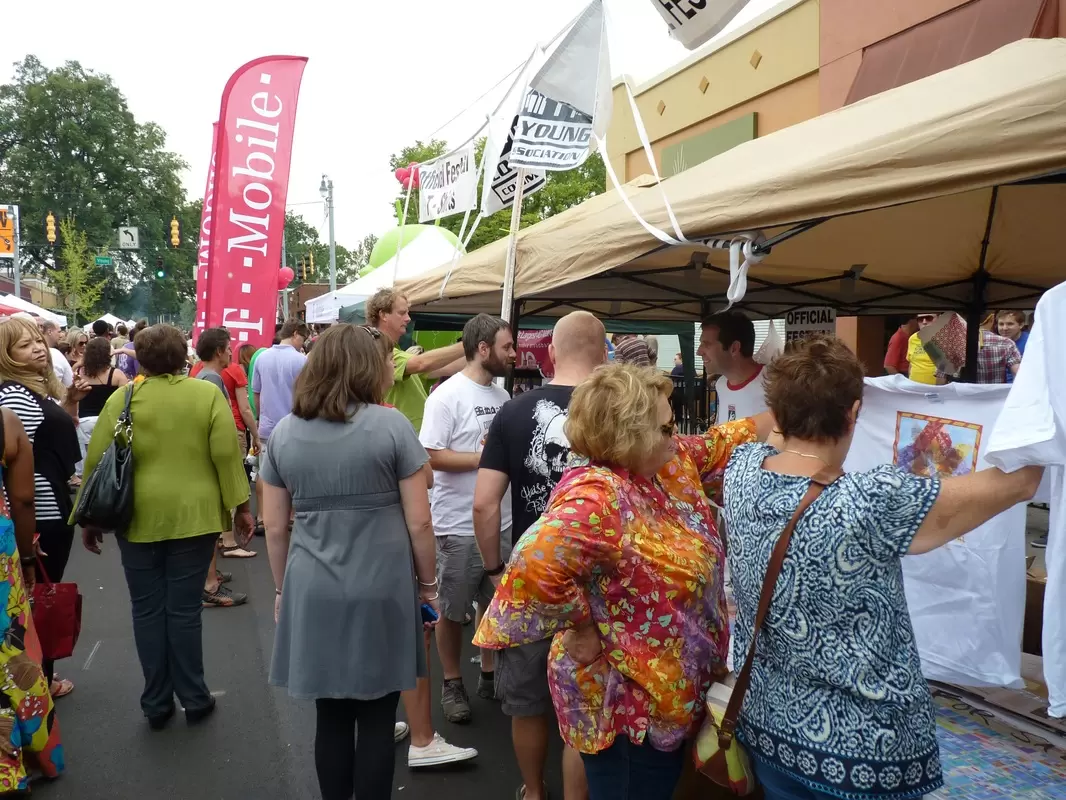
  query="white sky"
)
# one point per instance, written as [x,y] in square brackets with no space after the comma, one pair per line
[380,74]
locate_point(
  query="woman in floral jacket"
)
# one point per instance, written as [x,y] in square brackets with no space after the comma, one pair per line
[627,561]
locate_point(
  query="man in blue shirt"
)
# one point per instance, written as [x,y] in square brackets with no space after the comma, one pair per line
[1012,325]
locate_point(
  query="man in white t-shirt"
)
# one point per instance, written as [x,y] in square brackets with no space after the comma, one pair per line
[60,365]
[454,426]
[727,346]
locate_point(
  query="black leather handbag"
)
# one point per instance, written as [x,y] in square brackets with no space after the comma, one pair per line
[106,499]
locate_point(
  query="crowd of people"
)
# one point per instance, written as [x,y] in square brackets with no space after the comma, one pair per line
[586,538]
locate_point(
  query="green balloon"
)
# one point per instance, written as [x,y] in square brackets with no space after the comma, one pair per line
[389,244]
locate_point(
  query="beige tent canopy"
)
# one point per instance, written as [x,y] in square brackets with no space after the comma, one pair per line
[945,193]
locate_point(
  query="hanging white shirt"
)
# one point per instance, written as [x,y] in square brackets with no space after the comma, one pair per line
[1032,430]
[967,598]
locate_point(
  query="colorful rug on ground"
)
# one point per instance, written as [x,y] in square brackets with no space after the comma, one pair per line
[985,758]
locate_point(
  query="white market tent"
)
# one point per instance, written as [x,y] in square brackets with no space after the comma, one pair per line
[30,308]
[112,320]
[945,193]
[421,255]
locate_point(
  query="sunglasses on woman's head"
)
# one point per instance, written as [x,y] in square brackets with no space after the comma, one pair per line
[372,331]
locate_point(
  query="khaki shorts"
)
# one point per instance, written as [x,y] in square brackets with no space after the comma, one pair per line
[461,574]
[522,680]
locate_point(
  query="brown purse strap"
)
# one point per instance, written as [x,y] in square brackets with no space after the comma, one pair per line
[819,481]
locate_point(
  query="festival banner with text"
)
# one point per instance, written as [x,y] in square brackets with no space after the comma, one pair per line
[253,152]
[203,249]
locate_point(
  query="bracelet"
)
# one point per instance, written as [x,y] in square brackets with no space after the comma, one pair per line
[492,573]
[423,583]
[277,592]
[434,597]
[28,561]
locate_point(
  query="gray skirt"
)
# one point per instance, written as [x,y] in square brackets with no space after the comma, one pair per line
[350,624]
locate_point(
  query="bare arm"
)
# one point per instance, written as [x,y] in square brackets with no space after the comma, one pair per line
[968,501]
[18,480]
[488,494]
[891,370]
[451,461]
[414,496]
[258,405]
[428,469]
[119,379]
[246,414]
[451,369]
[432,360]
[277,506]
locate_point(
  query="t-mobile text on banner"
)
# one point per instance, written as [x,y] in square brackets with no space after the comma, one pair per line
[254,150]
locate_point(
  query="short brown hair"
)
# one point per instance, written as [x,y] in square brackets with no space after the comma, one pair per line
[292,327]
[812,388]
[212,342]
[612,416]
[382,302]
[345,366]
[161,350]
[1019,316]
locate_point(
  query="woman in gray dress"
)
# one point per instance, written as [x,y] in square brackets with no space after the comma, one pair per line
[359,561]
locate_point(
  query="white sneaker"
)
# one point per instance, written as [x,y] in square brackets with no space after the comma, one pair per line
[438,752]
[400,732]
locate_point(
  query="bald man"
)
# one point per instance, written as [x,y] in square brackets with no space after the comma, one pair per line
[527,449]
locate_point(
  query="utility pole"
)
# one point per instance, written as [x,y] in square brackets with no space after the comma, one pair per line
[17,266]
[326,190]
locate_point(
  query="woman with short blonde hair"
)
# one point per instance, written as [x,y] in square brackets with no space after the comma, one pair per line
[626,566]
[359,561]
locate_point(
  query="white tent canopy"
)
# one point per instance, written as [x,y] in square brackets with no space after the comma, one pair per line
[37,311]
[112,320]
[420,256]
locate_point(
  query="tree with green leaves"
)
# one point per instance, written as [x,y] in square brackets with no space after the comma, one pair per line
[75,277]
[562,190]
[70,145]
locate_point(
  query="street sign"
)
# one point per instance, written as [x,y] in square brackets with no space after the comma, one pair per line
[129,238]
[9,220]
[103,261]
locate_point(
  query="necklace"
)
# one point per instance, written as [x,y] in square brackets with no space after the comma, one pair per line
[807,455]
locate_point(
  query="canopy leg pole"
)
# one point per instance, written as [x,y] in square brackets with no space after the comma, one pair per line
[974,317]
[516,319]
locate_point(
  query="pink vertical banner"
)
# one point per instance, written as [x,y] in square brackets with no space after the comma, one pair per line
[203,250]
[253,152]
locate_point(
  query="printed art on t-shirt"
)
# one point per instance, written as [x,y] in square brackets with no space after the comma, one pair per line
[934,446]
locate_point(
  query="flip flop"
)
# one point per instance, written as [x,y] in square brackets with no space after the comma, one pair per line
[65,687]
[238,552]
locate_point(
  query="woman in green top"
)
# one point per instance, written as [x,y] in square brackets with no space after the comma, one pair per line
[188,477]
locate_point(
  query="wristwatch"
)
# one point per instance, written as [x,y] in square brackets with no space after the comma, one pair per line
[28,561]
[492,573]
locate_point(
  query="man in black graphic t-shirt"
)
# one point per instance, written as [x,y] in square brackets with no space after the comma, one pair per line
[526,449]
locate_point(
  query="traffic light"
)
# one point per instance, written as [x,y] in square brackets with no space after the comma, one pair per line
[175,233]
[50,228]
[311,264]
[302,266]
[159,271]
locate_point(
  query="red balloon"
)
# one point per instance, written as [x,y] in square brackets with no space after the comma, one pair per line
[285,276]
[403,175]
[416,174]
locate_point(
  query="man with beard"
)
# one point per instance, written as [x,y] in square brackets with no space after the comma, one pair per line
[527,450]
[457,419]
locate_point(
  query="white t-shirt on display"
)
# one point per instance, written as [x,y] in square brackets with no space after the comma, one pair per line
[1032,430]
[740,401]
[967,598]
[61,367]
[457,417]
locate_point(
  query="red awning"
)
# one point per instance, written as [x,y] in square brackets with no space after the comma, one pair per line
[963,34]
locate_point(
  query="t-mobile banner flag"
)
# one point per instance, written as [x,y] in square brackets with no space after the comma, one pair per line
[696,22]
[448,185]
[253,150]
[203,250]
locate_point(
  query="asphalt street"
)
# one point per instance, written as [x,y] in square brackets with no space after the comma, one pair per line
[260,743]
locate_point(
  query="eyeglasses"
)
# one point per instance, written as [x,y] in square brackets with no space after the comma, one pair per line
[926,317]
[670,428]
[372,331]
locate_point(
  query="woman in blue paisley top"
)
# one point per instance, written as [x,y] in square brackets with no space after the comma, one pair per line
[838,707]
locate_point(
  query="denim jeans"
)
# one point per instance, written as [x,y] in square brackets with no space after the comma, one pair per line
[627,771]
[777,785]
[166,583]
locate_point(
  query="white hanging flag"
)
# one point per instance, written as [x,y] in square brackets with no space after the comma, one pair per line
[501,176]
[448,185]
[696,22]
[569,99]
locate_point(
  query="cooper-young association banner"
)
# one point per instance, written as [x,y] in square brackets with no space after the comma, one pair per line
[203,248]
[253,153]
